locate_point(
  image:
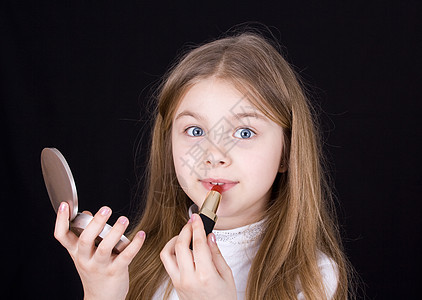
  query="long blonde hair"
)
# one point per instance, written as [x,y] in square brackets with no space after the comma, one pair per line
[300,218]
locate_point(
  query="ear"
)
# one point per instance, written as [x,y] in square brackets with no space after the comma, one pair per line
[282,168]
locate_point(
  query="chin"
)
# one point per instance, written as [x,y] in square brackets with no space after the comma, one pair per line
[225,213]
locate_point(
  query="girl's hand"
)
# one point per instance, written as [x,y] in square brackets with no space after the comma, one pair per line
[199,274]
[104,275]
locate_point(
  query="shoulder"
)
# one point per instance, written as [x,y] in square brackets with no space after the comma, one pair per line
[329,272]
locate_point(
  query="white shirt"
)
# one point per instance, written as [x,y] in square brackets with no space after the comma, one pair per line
[239,246]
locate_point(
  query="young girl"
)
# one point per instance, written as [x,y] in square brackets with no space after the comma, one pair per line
[232,113]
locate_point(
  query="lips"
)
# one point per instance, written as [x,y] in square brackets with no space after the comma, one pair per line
[225,184]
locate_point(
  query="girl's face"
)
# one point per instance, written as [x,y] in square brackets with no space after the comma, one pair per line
[219,137]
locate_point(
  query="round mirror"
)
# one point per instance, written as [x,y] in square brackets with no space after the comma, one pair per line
[59,181]
[61,188]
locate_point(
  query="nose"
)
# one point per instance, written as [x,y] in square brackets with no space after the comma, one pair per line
[216,156]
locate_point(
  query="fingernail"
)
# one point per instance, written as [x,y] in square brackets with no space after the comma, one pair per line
[213,238]
[190,220]
[193,217]
[123,220]
[104,211]
[141,234]
[62,206]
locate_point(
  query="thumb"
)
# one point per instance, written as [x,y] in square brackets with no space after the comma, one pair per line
[218,259]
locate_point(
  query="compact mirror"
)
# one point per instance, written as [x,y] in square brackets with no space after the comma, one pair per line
[61,187]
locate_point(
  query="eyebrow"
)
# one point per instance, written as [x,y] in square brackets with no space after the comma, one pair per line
[238,116]
[244,115]
[188,113]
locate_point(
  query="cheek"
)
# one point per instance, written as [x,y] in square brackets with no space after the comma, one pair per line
[264,166]
[262,174]
[183,163]
[177,153]
[176,157]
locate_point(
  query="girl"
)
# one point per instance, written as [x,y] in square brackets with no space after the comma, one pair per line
[232,113]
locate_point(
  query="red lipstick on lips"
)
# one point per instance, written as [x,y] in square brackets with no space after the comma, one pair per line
[225,185]
[209,208]
[217,188]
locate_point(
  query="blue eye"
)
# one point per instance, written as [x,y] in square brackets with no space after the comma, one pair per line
[244,133]
[194,131]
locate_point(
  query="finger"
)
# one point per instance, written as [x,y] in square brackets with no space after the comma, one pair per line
[182,251]
[126,256]
[104,249]
[86,243]
[87,212]
[220,263]
[61,230]
[201,251]
[168,257]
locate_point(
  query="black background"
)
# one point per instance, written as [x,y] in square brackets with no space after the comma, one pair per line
[78,75]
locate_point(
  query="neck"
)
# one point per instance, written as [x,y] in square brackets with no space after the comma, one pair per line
[227,223]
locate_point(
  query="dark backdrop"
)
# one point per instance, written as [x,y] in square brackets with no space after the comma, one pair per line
[77,76]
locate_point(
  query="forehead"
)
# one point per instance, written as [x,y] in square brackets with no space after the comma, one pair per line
[213,94]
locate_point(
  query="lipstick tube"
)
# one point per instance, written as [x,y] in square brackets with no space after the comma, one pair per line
[209,209]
